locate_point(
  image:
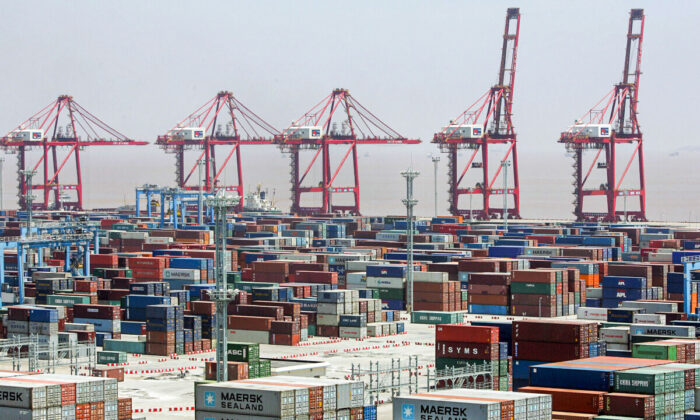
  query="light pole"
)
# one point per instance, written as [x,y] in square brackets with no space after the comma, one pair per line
[626,193]
[200,165]
[222,295]
[471,213]
[505,164]
[28,197]
[2,161]
[436,160]
[409,202]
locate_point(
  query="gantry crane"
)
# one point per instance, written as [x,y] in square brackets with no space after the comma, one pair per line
[610,123]
[316,130]
[221,121]
[61,124]
[486,123]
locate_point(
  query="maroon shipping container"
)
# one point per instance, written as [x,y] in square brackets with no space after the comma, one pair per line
[526,299]
[486,289]
[490,279]
[534,310]
[160,349]
[571,400]
[124,409]
[466,333]
[285,339]
[96,311]
[548,352]
[535,276]
[109,372]
[551,331]
[112,294]
[477,266]
[236,371]
[292,309]
[259,310]
[461,350]
[327,330]
[19,313]
[629,405]
[284,327]
[488,300]
[200,307]
[165,337]
[324,277]
[121,282]
[431,297]
[430,287]
[256,323]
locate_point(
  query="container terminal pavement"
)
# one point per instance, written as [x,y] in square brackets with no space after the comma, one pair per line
[115,317]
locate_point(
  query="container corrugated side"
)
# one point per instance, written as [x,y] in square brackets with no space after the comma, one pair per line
[423,406]
[246,398]
[22,395]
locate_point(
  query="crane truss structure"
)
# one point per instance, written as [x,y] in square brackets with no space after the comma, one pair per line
[317,131]
[225,122]
[484,124]
[62,124]
[612,122]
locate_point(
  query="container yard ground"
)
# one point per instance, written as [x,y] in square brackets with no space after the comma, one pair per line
[157,384]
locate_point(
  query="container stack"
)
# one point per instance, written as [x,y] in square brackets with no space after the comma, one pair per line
[338,315]
[432,291]
[25,321]
[617,289]
[540,293]
[160,330]
[489,293]
[537,341]
[106,320]
[390,280]
[280,397]
[469,346]
[43,396]
[473,404]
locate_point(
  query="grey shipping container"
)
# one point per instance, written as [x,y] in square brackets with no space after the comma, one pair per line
[246,398]
[23,413]
[424,407]
[22,394]
[212,415]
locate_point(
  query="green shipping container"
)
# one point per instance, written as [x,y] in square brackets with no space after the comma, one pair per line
[312,330]
[395,294]
[434,317]
[247,286]
[503,367]
[533,288]
[233,276]
[253,370]
[243,352]
[503,383]
[67,300]
[136,347]
[640,381]
[659,351]
[265,368]
[107,357]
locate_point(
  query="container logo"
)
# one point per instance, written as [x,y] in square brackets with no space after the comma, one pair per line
[36,136]
[604,131]
[408,412]
[315,132]
[476,131]
[210,399]
[199,133]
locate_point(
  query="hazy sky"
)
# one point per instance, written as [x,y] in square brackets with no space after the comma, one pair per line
[144,65]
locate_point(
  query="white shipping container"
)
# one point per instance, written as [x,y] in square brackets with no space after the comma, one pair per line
[615,335]
[594,314]
[430,276]
[658,319]
[134,235]
[359,265]
[181,274]
[356,278]
[352,332]
[618,346]
[327,319]
[161,240]
[385,282]
[212,415]
[330,308]
[249,336]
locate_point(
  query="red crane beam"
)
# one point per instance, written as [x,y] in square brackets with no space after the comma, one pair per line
[46,131]
[486,123]
[610,123]
[317,131]
[202,130]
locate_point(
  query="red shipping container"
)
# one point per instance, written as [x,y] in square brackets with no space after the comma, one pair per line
[109,372]
[466,333]
[200,307]
[147,262]
[571,400]
[236,370]
[84,286]
[285,327]
[256,323]
[292,309]
[124,409]
[104,260]
[259,310]
[284,339]
[629,405]
[82,411]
